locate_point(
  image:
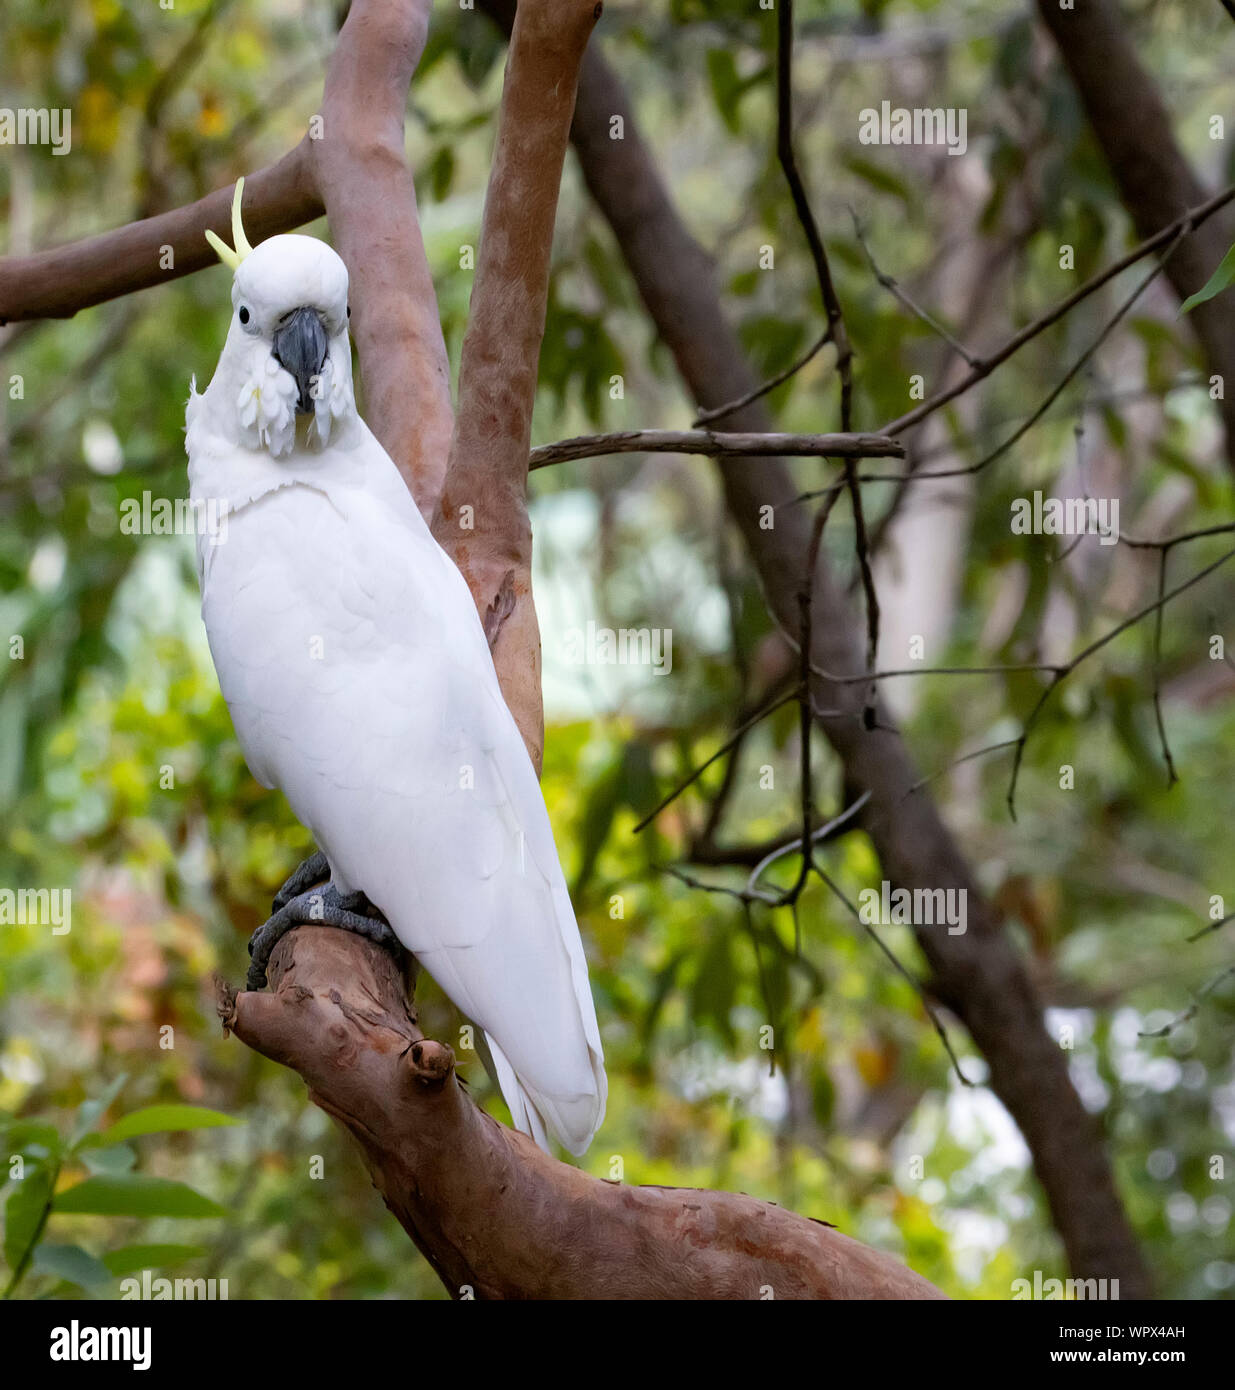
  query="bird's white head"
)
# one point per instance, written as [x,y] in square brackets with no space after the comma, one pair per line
[287,353]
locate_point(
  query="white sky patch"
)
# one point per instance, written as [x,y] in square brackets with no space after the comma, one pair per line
[671,590]
[701,1071]
[974,1119]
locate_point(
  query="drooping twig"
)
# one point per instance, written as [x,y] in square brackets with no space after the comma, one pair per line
[836,325]
[1171,775]
[900,295]
[801,206]
[705,417]
[1066,670]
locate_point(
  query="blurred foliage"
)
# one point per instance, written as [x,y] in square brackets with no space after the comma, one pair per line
[120,777]
[88,1172]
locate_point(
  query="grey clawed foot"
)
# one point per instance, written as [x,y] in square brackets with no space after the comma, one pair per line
[325,907]
[314,870]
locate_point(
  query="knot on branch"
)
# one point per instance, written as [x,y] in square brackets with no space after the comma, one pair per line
[430,1063]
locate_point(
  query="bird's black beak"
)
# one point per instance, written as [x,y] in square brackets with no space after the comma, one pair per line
[300,347]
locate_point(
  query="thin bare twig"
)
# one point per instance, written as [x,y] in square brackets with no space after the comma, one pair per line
[1188,222]
[902,297]
[1191,1012]
[716,445]
[1063,672]
[1171,775]
[706,417]
[1051,397]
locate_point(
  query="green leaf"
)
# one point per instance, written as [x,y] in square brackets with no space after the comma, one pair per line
[22,1213]
[91,1111]
[71,1262]
[24,1134]
[441,173]
[879,178]
[130,1194]
[117,1158]
[715,985]
[131,1258]
[157,1119]
[726,85]
[1221,279]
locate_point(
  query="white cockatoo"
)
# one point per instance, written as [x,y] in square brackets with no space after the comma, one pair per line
[359,679]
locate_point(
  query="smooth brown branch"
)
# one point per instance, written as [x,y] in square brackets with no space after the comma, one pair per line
[717,444]
[494,1216]
[56,284]
[358,164]
[481,519]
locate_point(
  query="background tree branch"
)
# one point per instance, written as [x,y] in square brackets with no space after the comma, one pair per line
[1155,181]
[979,975]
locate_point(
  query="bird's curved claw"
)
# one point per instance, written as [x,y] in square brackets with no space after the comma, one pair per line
[322,907]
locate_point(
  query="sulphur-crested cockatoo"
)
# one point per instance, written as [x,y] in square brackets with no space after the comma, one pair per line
[359,679]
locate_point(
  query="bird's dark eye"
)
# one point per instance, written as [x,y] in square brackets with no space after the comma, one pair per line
[244,314]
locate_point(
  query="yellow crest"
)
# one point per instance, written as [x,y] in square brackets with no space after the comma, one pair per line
[224,252]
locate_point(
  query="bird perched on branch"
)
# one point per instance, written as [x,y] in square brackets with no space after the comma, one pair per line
[359,679]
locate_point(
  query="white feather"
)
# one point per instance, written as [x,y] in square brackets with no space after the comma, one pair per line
[359,679]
